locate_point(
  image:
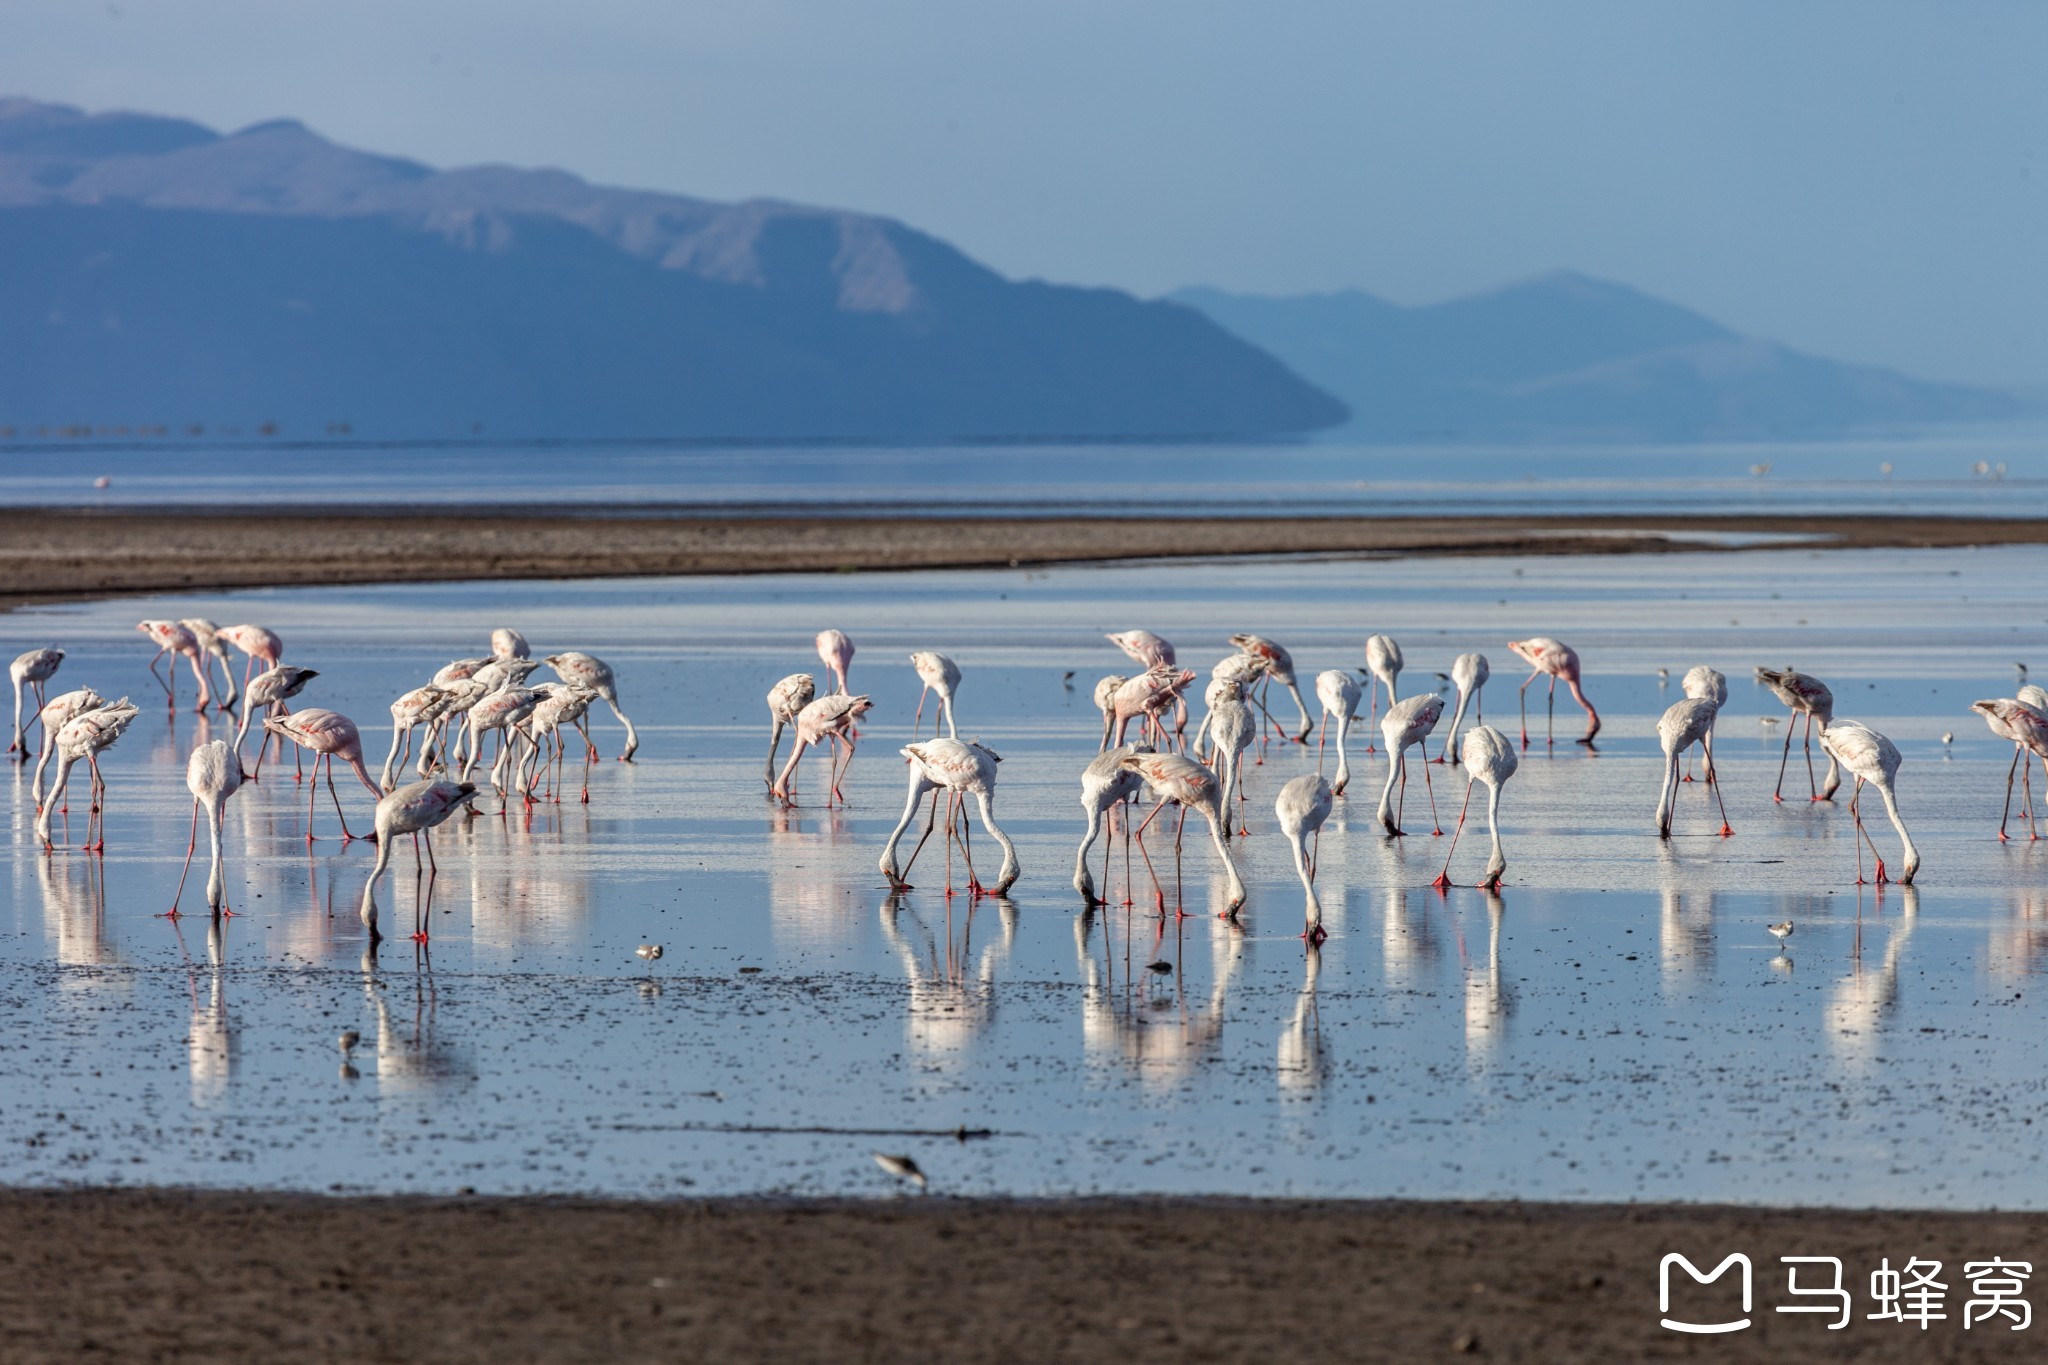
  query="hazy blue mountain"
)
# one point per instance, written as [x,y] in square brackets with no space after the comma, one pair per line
[152,270]
[1569,356]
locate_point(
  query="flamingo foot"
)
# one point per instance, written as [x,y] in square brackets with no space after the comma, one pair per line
[1726,832]
[1436,834]
[2003,837]
[1686,778]
[1778,798]
[1443,881]
[171,913]
[1881,878]
[227,913]
[1439,759]
[419,936]
[1314,936]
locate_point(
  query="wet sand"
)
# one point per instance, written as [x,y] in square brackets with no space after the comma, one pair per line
[47,554]
[174,1275]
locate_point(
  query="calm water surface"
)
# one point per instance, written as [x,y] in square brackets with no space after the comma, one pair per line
[1616,1024]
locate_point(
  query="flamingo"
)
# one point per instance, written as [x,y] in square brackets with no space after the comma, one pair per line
[1105,702]
[785,700]
[216,650]
[1187,784]
[1469,673]
[560,704]
[268,691]
[1870,757]
[941,675]
[1148,695]
[28,673]
[212,775]
[1105,784]
[1383,662]
[456,670]
[1407,722]
[1339,692]
[1231,728]
[596,675]
[509,644]
[1712,685]
[421,706]
[86,735]
[1559,660]
[1684,724]
[255,642]
[171,637]
[1302,807]
[502,674]
[962,770]
[829,718]
[1150,651]
[1280,668]
[1489,757]
[2027,727]
[1808,696]
[1242,669]
[501,711]
[328,735]
[835,648]
[415,809]
[462,693]
[55,714]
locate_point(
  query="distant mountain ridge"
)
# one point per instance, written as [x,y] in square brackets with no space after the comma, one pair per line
[151,268]
[1566,355]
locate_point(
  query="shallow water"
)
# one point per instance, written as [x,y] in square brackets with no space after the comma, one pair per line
[1990,471]
[1616,1025]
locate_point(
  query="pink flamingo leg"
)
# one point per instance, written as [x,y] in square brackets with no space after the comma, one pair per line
[1443,879]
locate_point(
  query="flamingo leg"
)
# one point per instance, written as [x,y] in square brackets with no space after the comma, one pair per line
[917,721]
[1436,825]
[1550,730]
[312,791]
[1807,743]
[190,847]
[2005,815]
[1443,880]
[1525,705]
[167,687]
[1726,829]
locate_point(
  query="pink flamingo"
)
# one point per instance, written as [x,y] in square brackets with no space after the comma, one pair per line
[595,675]
[268,691]
[1151,651]
[1489,757]
[509,644]
[1280,668]
[1177,780]
[1383,662]
[458,670]
[500,711]
[836,649]
[215,650]
[1559,660]
[1808,696]
[1406,724]
[329,735]
[961,770]
[1231,728]
[212,775]
[1148,695]
[1684,724]
[421,706]
[1871,758]
[28,673]
[416,809]
[1105,784]
[938,674]
[560,704]
[55,714]
[785,701]
[831,719]
[1469,673]
[2027,728]
[1105,702]
[86,736]
[255,642]
[171,637]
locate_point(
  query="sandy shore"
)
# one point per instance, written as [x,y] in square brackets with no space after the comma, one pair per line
[178,1276]
[45,554]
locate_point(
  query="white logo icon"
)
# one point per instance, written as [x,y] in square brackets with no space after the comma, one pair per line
[1702,1328]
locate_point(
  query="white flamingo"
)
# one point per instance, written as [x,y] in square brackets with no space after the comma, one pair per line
[1185,783]
[414,809]
[1105,702]
[1151,651]
[941,675]
[1811,698]
[172,637]
[2027,727]
[421,706]
[1339,694]
[328,735]
[212,775]
[216,651]
[1383,662]
[507,643]
[1870,757]
[1489,757]
[829,719]
[28,673]
[1280,668]
[255,642]
[1684,724]
[597,676]
[1231,728]
[785,700]
[1302,807]
[835,650]
[1105,784]
[56,712]
[1469,673]
[1711,685]
[961,770]
[86,735]
[268,691]
[1407,723]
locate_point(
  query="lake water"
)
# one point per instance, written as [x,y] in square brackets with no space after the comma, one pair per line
[1969,472]
[1615,1025]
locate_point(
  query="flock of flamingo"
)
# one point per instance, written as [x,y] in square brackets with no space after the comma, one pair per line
[457,712]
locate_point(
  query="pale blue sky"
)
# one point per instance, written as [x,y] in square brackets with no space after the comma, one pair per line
[1859,179]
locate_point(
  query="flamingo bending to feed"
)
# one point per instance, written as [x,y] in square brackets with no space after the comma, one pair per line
[830,719]
[1709,684]
[1302,806]
[1242,669]
[941,675]
[961,770]
[328,735]
[1231,729]
[2027,727]
[1151,651]
[1684,724]
[86,735]
[172,637]
[1872,758]
[1187,784]
[785,700]
[1148,696]
[457,670]
[560,704]
[436,747]
[268,691]
[596,675]
[1105,702]
[502,712]
[1280,668]
[1469,673]
[1808,696]
[1489,757]
[1383,662]
[1339,692]
[421,706]
[1408,723]
[212,775]
[255,642]
[1559,660]
[1105,784]
[28,673]
[835,650]
[216,651]
[509,644]
[55,714]
[414,809]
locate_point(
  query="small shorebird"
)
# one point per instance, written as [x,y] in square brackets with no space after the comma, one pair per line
[1780,932]
[348,1040]
[648,952]
[902,1167]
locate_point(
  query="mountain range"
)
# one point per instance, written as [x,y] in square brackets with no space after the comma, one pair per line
[1568,356]
[153,270]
